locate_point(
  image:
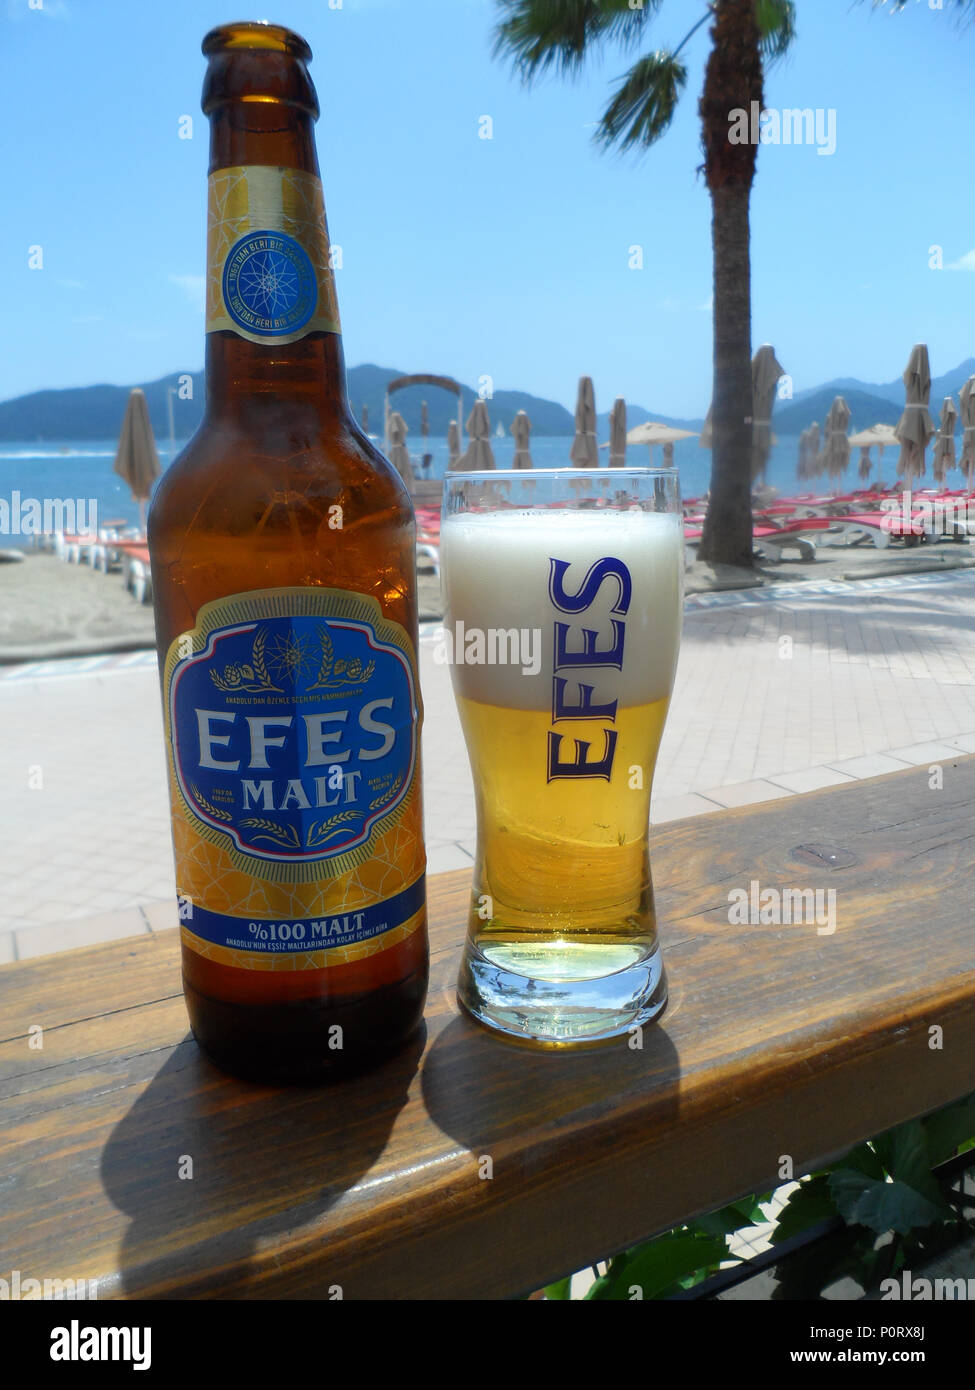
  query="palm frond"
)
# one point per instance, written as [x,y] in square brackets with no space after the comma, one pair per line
[644,102]
[777,24]
[541,34]
[895,5]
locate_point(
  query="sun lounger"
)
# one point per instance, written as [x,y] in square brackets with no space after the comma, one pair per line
[136,573]
[772,540]
[74,549]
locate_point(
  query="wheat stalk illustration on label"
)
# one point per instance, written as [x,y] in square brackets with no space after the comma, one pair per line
[318,834]
[332,674]
[272,830]
[208,806]
[252,678]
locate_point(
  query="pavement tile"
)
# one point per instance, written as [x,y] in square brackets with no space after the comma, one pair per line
[87,931]
[448,857]
[669,808]
[161,916]
[812,780]
[921,753]
[746,793]
[873,765]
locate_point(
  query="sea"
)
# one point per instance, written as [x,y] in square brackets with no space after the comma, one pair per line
[82,470]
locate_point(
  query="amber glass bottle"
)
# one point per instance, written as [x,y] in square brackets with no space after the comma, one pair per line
[283,569]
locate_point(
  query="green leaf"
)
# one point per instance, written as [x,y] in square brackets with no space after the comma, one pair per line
[806,1273]
[807,1204]
[746,1211]
[659,1264]
[561,1289]
[950,1129]
[883,1206]
[644,102]
[777,26]
[862,1159]
[904,1153]
[541,34]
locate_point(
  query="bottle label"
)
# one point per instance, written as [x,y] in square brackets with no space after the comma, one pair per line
[292,719]
[269,271]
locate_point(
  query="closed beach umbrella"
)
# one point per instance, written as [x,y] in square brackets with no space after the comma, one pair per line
[136,459]
[766,370]
[365,419]
[479,454]
[944,446]
[967,399]
[617,434]
[816,460]
[399,455]
[837,443]
[585,449]
[915,427]
[521,428]
[424,421]
[810,461]
[453,445]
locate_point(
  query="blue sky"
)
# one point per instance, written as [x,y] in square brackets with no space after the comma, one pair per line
[506,257]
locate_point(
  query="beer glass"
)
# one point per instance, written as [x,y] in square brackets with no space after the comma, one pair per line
[563,591]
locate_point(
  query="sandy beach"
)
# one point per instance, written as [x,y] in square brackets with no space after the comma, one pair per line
[48,608]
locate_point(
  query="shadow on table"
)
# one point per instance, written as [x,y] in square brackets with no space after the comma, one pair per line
[262,1161]
[489,1094]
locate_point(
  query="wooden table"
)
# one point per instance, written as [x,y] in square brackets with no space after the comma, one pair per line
[777,1041]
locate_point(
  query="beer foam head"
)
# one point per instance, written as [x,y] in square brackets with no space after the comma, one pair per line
[511,576]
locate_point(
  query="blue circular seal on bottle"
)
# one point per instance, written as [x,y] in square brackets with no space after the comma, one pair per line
[269,284]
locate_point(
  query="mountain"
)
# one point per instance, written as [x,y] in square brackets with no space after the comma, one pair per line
[893,391]
[792,417]
[95,412]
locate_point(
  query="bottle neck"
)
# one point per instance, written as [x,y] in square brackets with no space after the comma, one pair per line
[247,379]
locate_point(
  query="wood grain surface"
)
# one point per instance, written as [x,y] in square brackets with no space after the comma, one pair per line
[777,1041]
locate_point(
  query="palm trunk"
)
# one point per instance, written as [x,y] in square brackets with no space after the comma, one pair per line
[733,81]
[727,536]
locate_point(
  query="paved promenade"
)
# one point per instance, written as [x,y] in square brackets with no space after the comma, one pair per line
[779,691]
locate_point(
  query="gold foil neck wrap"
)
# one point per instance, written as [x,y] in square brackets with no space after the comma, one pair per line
[256,198]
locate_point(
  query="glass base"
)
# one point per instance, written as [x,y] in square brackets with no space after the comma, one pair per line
[561,993]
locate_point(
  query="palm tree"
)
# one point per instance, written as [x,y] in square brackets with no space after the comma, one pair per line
[538,35]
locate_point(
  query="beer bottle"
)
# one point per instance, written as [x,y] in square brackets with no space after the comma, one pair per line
[284,582]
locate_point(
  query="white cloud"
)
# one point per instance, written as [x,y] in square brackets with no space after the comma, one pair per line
[193,286]
[966,262]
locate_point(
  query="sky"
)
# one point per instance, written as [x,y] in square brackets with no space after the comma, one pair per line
[507,257]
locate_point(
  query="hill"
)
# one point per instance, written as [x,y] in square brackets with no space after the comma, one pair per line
[95,412]
[792,417]
[949,384]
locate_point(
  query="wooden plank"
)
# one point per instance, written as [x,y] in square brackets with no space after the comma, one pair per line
[776,1041]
